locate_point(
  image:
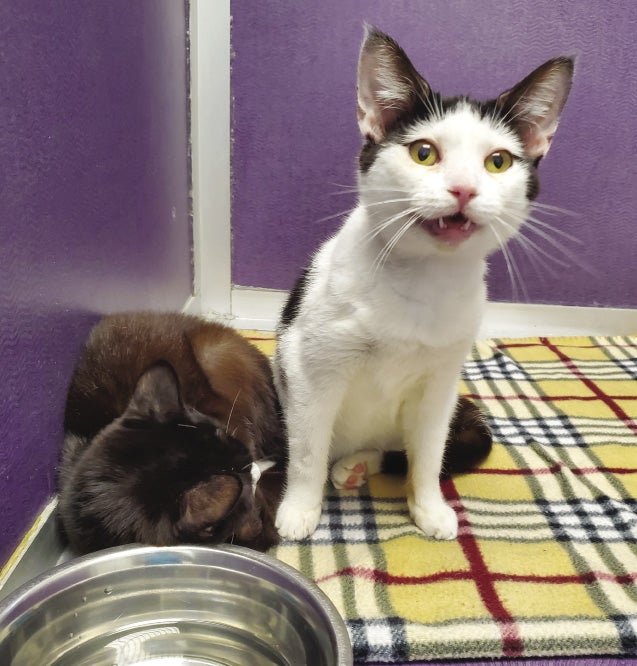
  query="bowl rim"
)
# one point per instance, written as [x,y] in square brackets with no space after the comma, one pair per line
[69,573]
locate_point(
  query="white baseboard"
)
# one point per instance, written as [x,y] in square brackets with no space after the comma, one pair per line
[517,320]
[259,309]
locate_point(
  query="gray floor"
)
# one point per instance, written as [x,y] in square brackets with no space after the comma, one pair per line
[44,552]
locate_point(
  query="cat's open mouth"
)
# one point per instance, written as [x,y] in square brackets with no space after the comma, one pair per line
[452,229]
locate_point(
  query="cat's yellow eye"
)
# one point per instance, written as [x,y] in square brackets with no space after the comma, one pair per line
[498,162]
[424,153]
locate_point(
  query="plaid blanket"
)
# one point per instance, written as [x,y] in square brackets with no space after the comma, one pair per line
[546,559]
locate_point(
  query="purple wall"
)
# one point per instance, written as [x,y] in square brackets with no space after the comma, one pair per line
[296,138]
[93,206]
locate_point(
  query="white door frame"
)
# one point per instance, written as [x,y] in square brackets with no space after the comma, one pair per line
[210,105]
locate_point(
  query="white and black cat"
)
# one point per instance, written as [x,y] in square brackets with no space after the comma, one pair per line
[374,336]
[169,421]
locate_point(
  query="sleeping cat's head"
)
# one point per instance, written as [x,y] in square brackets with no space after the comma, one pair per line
[450,175]
[165,473]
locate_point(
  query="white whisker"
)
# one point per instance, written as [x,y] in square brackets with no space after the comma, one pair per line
[347,211]
[559,232]
[552,241]
[383,255]
[527,242]
[552,210]
[541,268]
[530,244]
[541,228]
[232,409]
[355,190]
[512,268]
[388,201]
[335,215]
[375,231]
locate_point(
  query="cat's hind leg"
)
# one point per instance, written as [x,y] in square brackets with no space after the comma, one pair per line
[353,471]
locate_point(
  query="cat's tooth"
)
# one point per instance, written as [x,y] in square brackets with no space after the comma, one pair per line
[466,225]
[441,223]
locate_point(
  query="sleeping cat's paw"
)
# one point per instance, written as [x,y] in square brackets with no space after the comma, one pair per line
[352,471]
[436,519]
[294,522]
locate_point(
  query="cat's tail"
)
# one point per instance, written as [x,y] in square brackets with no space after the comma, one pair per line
[468,443]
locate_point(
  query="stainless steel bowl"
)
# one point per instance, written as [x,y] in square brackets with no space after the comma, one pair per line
[177,606]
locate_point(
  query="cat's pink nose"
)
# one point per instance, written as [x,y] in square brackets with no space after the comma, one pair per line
[463,194]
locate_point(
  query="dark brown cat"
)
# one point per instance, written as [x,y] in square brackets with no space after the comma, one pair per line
[165,416]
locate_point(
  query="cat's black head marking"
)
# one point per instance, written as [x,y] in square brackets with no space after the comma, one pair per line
[393,96]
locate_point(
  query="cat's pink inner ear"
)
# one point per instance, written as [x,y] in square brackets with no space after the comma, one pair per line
[536,104]
[537,143]
[376,111]
[388,85]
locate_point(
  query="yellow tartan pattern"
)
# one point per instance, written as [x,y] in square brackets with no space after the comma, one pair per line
[546,559]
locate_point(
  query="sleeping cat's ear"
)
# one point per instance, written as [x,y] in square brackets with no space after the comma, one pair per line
[207,503]
[156,395]
[534,105]
[389,86]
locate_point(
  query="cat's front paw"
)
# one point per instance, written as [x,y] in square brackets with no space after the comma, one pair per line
[294,522]
[435,519]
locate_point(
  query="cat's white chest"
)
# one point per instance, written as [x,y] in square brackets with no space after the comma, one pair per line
[433,301]
[424,311]
[389,377]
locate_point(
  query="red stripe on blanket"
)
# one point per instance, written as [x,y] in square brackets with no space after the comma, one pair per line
[555,469]
[591,385]
[513,345]
[547,398]
[385,578]
[512,645]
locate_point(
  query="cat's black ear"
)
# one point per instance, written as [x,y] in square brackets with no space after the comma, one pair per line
[207,503]
[389,86]
[534,105]
[156,395]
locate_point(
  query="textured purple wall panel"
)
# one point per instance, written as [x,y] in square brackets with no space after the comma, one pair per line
[566,661]
[93,206]
[296,138]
